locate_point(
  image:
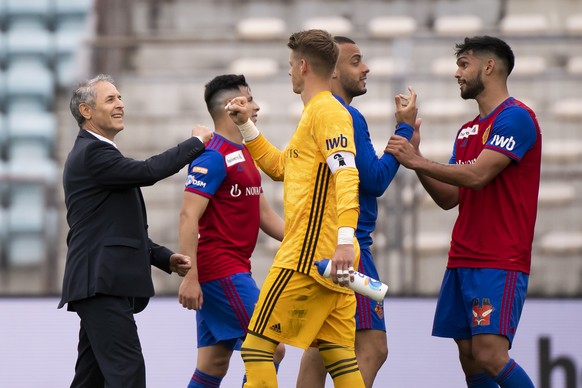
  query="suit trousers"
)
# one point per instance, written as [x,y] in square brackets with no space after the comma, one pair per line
[109,350]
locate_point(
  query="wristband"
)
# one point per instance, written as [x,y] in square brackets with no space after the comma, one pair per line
[248,130]
[345,235]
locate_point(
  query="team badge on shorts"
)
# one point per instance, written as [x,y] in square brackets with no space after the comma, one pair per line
[482,313]
[379,309]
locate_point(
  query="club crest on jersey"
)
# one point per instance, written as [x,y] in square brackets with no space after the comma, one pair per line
[340,141]
[482,312]
[234,158]
[340,159]
[486,134]
[379,310]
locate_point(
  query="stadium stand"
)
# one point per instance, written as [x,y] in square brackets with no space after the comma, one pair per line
[37,37]
[172,48]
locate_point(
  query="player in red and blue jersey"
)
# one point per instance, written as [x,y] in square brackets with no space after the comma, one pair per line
[349,81]
[493,176]
[223,208]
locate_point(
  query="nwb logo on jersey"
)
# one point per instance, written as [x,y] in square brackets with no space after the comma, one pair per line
[501,141]
[482,313]
[341,140]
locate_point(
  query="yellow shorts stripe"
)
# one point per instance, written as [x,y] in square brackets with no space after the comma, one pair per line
[271,299]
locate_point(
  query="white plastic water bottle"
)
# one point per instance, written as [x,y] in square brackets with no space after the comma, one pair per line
[362,284]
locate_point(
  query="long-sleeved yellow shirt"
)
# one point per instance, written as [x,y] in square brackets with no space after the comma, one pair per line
[316,201]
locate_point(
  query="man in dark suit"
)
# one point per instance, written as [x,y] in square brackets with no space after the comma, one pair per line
[108,269]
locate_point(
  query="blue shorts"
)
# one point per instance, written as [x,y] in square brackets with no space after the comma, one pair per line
[226,310]
[369,313]
[479,301]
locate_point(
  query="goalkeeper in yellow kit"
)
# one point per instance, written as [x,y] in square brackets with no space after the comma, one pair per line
[297,306]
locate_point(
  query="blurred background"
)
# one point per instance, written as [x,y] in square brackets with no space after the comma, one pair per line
[161,54]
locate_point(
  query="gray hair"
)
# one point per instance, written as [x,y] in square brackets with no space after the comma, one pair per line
[85,94]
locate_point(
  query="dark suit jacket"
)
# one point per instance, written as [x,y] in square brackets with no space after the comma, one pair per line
[109,251]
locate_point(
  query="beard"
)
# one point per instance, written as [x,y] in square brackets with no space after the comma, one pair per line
[353,88]
[473,88]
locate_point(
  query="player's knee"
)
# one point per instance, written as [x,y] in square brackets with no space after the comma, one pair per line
[257,349]
[489,360]
[338,359]
[279,353]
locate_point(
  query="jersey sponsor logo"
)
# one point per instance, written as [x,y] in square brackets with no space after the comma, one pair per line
[482,312]
[340,141]
[469,131]
[192,181]
[254,190]
[503,142]
[235,191]
[200,170]
[234,158]
[470,161]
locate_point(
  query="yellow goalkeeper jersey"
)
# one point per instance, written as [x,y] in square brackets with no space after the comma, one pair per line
[316,200]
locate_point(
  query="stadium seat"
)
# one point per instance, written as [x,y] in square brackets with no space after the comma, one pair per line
[263,28]
[563,151]
[335,25]
[529,65]
[524,24]
[445,109]
[26,249]
[28,38]
[37,9]
[386,66]
[80,8]
[388,27]
[556,193]
[568,109]
[561,243]
[574,24]
[31,134]
[25,170]
[574,65]
[437,150]
[444,66]
[27,217]
[379,110]
[429,242]
[254,67]
[458,25]
[30,78]
[69,35]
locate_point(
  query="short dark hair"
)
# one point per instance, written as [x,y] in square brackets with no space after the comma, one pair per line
[213,90]
[318,47]
[343,40]
[489,44]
